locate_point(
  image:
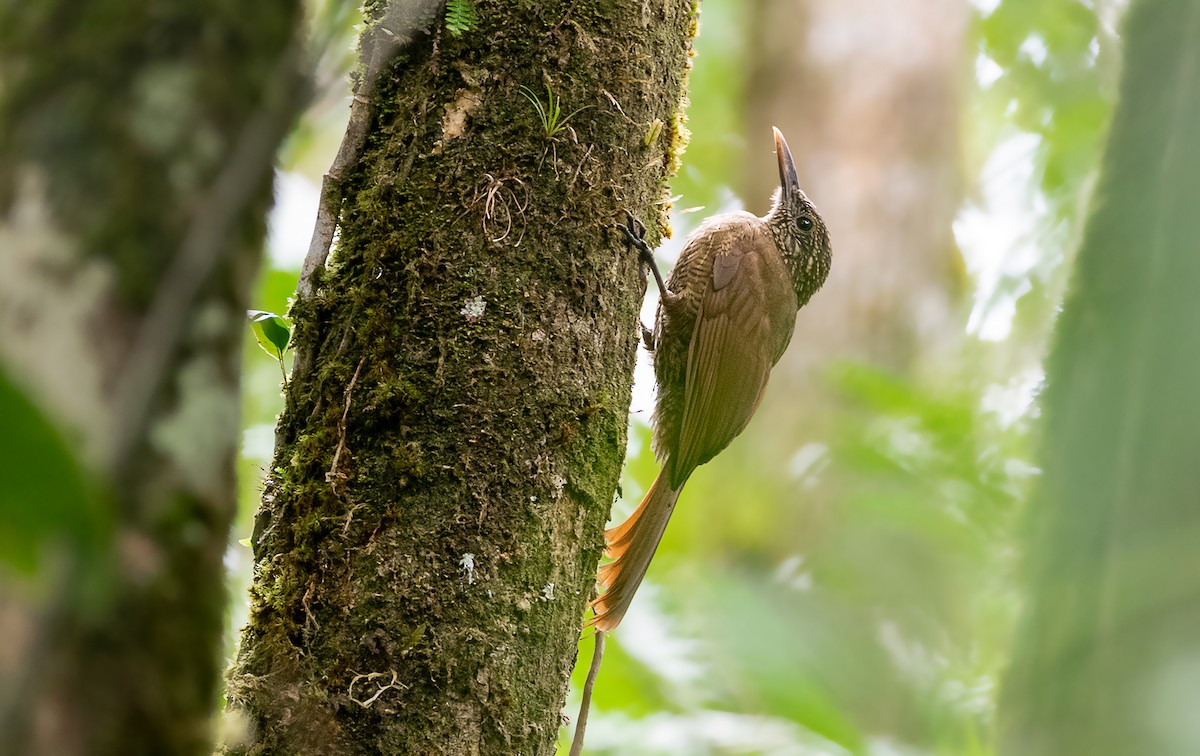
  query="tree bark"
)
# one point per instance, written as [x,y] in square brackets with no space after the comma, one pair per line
[1106,655]
[135,172]
[430,529]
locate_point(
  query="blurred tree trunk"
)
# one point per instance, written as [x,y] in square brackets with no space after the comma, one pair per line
[869,96]
[430,529]
[1106,660]
[136,147]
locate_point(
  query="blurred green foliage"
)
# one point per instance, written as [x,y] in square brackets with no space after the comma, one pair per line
[898,607]
[889,618]
[1051,84]
[46,504]
[1107,658]
[881,624]
[1048,69]
[717,146]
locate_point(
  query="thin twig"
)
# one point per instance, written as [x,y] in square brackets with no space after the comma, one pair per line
[331,192]
[382,41]
[331,477]
[586,704]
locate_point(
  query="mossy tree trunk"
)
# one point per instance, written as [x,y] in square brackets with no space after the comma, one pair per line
[1106,660]
[136,147]
[430,529]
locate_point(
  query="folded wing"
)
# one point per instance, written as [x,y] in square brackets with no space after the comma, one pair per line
[727,366]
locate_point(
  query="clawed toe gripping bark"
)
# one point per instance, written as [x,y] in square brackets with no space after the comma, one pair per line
[635,236]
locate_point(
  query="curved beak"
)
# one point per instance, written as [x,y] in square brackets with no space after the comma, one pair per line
[788,180]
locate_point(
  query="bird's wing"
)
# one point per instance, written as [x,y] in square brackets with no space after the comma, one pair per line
[732,349]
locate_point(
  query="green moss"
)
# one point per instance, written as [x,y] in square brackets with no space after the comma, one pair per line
[489,431]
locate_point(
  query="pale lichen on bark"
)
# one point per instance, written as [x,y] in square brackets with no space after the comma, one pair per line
[52,299]
[135,166]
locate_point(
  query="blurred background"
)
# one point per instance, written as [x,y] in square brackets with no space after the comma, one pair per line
[842,579]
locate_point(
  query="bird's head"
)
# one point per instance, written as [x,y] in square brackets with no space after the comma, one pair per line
[798,229]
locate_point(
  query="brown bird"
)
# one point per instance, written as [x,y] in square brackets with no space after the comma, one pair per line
[724,319]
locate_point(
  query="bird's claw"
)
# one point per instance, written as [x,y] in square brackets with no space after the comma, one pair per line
[635,235]
[633,229]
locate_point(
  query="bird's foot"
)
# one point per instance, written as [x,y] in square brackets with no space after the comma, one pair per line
[647,338]
[635,236]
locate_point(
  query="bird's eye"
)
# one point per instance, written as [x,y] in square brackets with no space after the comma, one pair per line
[805,223]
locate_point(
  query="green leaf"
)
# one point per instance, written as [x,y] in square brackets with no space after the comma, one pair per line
[43,495]
[272,332]
[460,17]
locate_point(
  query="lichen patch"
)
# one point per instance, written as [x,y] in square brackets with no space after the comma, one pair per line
[454,123]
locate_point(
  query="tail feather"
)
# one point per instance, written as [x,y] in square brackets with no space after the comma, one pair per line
[631,546]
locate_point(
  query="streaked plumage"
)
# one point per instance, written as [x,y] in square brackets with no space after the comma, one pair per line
[725,320]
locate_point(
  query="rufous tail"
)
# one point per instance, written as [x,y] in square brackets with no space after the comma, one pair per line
[631,546]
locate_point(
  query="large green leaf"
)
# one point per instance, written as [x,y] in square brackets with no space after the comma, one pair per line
[44,500]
